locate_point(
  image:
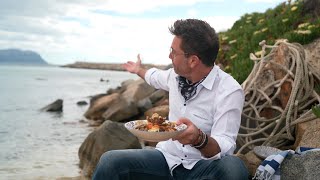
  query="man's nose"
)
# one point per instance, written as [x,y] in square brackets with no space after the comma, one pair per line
[170,56]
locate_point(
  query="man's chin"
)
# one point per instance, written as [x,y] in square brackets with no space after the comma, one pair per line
[174,68]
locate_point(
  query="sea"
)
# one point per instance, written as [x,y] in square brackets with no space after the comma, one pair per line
[44,145]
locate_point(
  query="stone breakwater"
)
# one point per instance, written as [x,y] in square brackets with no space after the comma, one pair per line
[106,66]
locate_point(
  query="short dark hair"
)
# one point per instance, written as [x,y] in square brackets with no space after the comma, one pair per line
[198,38]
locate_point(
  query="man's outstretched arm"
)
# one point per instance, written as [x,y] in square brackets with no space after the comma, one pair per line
[135,67]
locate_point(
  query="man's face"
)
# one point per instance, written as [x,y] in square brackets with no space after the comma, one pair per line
[179,60]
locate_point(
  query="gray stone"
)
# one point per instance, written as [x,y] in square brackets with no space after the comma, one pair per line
[56,106]
[144,104]
[109,136]
[121,110]
[297,167]
[137,91]
[158,95]
[100,105]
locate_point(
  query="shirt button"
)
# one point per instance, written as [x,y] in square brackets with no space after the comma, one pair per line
[184,104]
[181,159]
[182,145]
[185,156]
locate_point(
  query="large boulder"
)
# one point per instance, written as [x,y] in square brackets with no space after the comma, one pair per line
[100,105]
[137,90]
[109,136]
[144,104]
[158,95]
[121,110]
[313,56]
[305,166]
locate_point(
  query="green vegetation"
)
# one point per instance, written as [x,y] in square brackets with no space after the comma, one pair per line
[286,21]
[316,111]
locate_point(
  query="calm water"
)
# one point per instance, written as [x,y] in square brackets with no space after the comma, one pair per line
[43,145]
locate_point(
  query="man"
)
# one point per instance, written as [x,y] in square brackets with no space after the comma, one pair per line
[206,99]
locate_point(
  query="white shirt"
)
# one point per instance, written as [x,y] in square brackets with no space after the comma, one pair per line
[215,109]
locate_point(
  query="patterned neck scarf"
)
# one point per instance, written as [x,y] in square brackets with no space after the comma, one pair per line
[187,89]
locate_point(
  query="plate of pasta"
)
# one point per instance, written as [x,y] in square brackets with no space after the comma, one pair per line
[155,128]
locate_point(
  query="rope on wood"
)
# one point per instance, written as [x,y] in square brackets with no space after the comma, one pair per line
[268,117]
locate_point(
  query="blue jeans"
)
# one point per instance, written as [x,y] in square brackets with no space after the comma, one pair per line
[150,164]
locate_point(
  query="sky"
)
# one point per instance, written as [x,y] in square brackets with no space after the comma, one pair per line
[110,31]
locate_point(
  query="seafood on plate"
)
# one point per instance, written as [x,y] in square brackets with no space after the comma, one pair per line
[157,123]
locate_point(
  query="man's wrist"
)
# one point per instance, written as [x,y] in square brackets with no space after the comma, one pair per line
[203,140]
[198,138]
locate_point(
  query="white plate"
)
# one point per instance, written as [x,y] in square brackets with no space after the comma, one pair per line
[152,136]
[265,151]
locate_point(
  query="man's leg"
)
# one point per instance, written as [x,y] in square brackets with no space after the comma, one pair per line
[132,164]
[226,168]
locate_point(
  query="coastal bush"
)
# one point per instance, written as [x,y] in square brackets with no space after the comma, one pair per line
[285,21]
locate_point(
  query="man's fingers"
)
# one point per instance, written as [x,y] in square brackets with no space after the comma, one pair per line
[138,59]
[184,121]
[130,62]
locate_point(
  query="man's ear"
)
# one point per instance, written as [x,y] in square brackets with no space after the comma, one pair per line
[194,61]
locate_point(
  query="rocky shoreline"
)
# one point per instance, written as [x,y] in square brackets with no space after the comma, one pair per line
[106,66]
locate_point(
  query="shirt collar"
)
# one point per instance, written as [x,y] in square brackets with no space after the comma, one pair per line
[209,81]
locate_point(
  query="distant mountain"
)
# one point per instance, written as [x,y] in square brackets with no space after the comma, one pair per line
[17,56]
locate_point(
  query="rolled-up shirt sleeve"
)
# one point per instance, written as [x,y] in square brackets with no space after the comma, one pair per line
[227,121]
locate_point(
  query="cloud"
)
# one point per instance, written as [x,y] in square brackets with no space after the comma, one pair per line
[140,6]
[64,31]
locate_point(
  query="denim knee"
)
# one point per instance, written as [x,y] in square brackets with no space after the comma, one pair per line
[107,165]
[234,168]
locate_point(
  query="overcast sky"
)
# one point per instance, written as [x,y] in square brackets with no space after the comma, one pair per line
[111,31]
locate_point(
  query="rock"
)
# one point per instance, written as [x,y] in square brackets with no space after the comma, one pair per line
[252,161]
[122,88]
[95,97]
[115,90]
[305,166]
[144,104]
[56,106]
[100,104]
[266,77]
[104,80]
[137,91]
[120,110]
[308,133]
[109,136]
[163,101]
[158,95]
[82,103]
[95,123]
[126,83]
[313,56]
[282,57]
